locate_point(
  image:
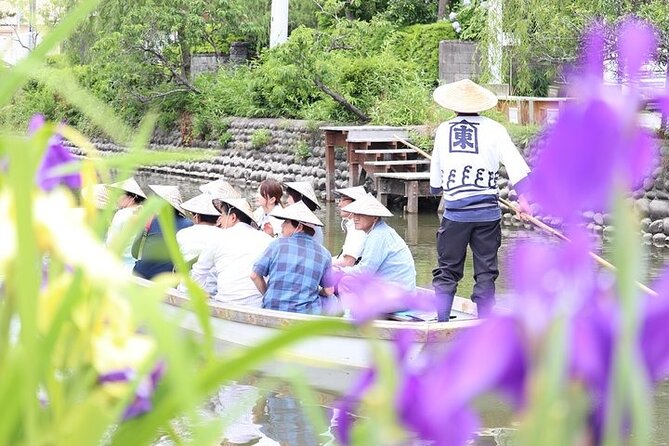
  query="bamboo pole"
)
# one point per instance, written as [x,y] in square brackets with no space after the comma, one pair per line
[540,224]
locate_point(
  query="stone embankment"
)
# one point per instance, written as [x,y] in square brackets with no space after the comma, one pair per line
[292,150]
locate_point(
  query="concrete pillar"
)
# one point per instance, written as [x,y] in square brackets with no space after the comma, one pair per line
[279,24]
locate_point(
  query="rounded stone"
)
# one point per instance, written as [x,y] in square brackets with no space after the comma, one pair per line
[645,224]
[659,239]
[658,209]
[656,227]
[642,205]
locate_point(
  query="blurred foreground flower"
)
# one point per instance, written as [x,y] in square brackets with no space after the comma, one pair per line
[55,157]
[575,338]
[368,296]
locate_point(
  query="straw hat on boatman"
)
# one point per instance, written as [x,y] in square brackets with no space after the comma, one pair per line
[468,151]
[296,266]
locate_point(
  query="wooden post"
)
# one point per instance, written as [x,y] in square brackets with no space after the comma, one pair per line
[412,196]
[329,165]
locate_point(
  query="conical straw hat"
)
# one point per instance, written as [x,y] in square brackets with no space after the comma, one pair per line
[170,194]
[464,96]
[241,204]
[219,188]
[353,192]
[368,205]
[129,185]
[298,212]
[305,189]
[200,204]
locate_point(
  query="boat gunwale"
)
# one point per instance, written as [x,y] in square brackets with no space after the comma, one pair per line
[422,332]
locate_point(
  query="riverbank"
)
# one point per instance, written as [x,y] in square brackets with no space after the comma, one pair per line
[294,150]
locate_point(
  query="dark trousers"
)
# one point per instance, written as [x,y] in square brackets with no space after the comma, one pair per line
[453,237]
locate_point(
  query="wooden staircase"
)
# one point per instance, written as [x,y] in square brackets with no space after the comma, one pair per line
[374,152]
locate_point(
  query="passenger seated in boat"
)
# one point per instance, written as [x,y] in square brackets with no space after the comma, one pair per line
[355,238]
[268,197]
[150,248]
[128,205]
[193,239]
[231,253]
[303,191]
[385,253]
[295,264]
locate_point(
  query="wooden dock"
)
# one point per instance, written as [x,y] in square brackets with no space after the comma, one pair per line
[374,152]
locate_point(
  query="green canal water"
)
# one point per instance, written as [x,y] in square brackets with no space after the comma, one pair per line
[265,410]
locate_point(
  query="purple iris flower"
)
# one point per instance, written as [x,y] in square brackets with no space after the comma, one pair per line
[348,404]
[56,155]
[368,296]
[143,393]
[596,145]
[435,399]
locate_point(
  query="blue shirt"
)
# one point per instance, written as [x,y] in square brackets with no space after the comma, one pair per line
[295,266]
[386,255]
[155,258]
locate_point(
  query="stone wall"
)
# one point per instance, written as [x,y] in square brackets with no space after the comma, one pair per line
[295,152]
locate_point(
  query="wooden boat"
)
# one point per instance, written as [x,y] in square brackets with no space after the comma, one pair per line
[243,326]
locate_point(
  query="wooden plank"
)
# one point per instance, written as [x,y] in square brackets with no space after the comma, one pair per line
[384,151]
[397,163]
[375,135]
[404,175]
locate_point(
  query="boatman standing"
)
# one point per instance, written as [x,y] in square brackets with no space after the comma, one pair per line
[468,150]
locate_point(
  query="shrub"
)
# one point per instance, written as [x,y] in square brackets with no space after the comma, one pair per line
[260,138]
[420,44]
[302,151]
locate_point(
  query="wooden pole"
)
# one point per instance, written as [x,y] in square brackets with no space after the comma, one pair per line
[540,224]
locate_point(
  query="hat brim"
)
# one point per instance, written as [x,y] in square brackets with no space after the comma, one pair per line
[174,201]
[236,203]
[464,97]
[298,212]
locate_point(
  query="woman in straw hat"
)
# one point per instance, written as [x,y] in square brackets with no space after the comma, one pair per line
[128,204]
[385,253]
[303,191]
[467,153]
[296,266]
[231,253]
[355,238]
[150,248]
[268,197]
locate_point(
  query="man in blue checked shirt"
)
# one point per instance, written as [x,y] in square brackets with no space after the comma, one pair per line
[295,265]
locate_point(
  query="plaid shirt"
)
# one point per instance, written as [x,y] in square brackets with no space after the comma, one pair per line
[294,266]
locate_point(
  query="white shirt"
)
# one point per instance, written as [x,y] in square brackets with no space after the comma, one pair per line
[466,157]
[193,239]
[232,253]
[261,218]
[354,242]
[120,223]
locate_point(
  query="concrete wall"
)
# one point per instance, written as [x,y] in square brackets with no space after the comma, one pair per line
[457,60]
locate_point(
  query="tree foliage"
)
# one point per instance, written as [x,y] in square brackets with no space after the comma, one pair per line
[547,36]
